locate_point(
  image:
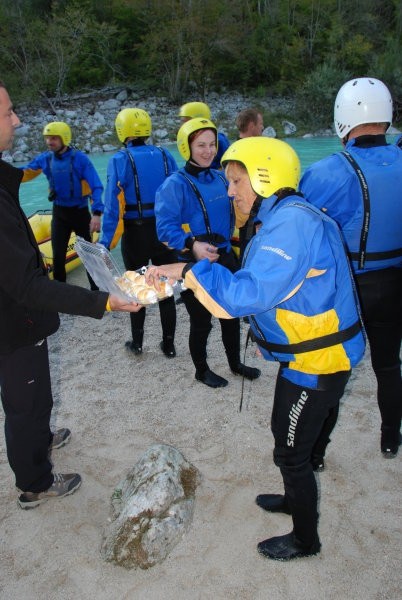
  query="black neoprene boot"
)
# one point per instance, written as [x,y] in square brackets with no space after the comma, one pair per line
[287,547]
[248,372]
[318,464]
[391,439]
[135,346]
[273,503]
[167,346]
[210,378]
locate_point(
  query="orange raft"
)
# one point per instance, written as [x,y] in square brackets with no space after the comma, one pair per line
[41,222]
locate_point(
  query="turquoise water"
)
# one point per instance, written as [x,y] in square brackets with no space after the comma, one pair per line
[33,194]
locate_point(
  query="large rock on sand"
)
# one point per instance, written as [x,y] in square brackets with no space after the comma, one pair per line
[151,509]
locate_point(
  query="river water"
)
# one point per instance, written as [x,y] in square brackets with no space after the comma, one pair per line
[33,194]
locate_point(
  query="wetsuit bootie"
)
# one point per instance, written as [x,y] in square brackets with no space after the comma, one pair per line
[287,547]
[167,346]
[391,439]
[211,379]
[136,344]
[134,348]
[273,503]
[318,464]
[247,372]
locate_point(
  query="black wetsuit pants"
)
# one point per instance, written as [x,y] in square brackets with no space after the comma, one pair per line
[380,295]
[139,246]
[200,325]
[299,422]
[65,220]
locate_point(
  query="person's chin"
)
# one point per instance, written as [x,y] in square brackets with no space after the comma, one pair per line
[242,210]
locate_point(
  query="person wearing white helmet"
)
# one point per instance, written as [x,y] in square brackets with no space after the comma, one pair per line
[296,287]
[361,188]
[75,191]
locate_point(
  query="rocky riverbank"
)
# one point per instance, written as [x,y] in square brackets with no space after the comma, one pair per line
[92,115]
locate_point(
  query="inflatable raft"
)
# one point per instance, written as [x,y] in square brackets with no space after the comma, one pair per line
[41,222]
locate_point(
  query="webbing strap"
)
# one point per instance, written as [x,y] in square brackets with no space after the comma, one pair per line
[136,183]
[378,255]
[366,207]
[324,341]
[204,208]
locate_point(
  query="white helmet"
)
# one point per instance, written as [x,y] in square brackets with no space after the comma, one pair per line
[359,101]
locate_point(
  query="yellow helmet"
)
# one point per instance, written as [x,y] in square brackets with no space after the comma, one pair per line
[133,122]
[59,128]
[270,163]
[187,129]
[192,110]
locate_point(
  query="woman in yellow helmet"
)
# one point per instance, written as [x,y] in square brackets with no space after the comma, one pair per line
[200,110]
[296,288]
[197,196]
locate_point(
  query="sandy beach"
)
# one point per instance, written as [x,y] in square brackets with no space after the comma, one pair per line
[117,405]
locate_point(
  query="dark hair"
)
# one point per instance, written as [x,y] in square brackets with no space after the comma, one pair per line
[246,116]
[196,133]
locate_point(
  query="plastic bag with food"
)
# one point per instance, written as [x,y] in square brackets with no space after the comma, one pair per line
[130,285]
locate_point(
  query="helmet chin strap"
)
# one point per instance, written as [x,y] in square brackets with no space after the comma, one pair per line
[253,213]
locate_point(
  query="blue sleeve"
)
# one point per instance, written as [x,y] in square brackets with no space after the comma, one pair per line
[90,175]
[36,163]
[35,167]
[113,193]
[276,266]
[169,206]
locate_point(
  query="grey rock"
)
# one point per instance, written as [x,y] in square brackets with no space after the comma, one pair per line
[99,118]
[90,113]
[152,508]
[21,146]
[109,148]
[161,133]
[111,104]
[22,130]
[19,156]
[122,96]
[289,128]
[269,132]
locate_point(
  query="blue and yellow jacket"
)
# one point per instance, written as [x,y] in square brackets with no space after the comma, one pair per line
[178,204]
[367,204]
[72,178]
[133,176]
[296,286]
